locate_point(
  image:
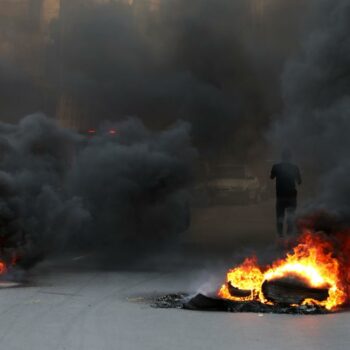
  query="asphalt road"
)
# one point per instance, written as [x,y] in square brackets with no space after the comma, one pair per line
[91,310]
[73,305]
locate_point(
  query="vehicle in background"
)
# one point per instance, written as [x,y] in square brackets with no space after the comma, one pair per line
[226,184]
[108,132]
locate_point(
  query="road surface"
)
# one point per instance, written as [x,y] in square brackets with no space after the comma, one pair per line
[73,305]
[104,310]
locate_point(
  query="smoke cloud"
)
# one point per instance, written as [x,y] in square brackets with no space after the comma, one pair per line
[203,62]
[316,123]
[59,188]
[213,63]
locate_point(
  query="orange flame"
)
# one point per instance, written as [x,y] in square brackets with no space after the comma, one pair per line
[247,276]
[312,260]
[3,268]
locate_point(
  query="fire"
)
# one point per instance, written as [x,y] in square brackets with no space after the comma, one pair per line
[3,268]
[312,260]
[248,277]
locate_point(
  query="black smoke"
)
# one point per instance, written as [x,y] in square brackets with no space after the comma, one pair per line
[60,189]
[213,63]
[316,123]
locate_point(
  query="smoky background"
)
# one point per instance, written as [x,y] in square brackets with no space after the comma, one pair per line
[189,86]
[216,64]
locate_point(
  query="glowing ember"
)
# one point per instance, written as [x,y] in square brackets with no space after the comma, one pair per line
[112,132]
[3,268]
[312,261]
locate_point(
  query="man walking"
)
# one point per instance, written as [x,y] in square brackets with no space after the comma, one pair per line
[287,176]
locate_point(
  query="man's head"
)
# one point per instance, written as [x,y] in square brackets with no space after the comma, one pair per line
[286,155]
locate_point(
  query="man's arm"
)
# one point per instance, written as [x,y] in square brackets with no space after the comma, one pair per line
[273,172]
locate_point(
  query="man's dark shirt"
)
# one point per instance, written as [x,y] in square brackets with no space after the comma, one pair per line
[287,176]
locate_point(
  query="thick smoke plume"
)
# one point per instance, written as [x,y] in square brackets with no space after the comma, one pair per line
[316,87]
[213,63]
[201,61]
[59,188]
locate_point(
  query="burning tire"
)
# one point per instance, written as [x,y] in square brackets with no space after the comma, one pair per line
[291,291]
[309,275]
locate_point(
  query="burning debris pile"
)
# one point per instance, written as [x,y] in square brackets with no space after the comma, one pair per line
[311,274]
[211,303]
[313,278]
[314,274]
[11,273]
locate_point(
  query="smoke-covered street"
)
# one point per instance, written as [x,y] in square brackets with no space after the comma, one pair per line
[102,310]
[72,303]
[174,174]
